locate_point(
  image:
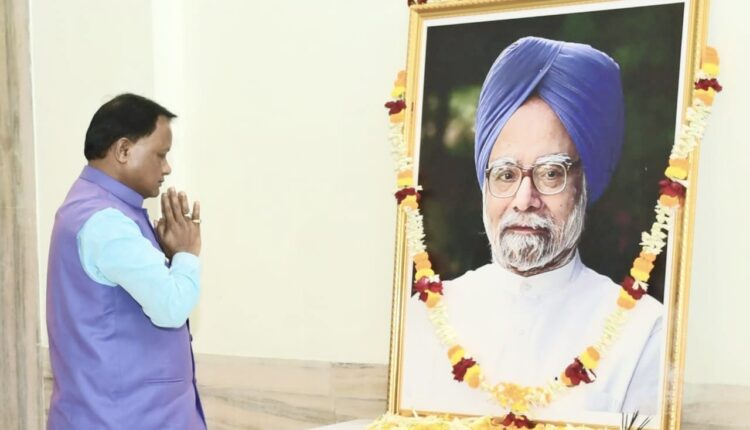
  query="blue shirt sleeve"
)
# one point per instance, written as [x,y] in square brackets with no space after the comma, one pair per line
[113,252]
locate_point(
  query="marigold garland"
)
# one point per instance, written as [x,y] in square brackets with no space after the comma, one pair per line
[510,421]
[518,399]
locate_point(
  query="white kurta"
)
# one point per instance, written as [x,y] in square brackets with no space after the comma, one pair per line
[527,331]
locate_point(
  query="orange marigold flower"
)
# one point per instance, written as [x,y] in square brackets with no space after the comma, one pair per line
[400,79]
[421,256]
[643,265]
[669,201]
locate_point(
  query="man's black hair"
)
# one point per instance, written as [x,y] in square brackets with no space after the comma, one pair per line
[127,115]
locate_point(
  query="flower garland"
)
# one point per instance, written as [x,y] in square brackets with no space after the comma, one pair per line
[516,398]
[396,422]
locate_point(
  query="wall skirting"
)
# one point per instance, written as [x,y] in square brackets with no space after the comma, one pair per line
[241,393]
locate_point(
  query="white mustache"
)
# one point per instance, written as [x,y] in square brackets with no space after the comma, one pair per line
[528,220]
[524,252]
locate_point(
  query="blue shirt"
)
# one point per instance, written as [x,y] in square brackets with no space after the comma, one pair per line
[114,252]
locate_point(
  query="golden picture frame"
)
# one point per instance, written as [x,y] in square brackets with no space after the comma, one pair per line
[436,34]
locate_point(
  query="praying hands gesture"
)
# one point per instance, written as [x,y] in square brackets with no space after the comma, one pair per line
[178,230]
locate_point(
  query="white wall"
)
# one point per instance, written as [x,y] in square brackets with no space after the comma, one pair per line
[83,52]
[282,136]
[718,337]
[289,156]
[268,96]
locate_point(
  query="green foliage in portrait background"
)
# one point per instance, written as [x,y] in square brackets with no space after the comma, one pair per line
[645,41]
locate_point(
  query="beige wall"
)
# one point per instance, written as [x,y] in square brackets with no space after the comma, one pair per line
[283,133]
[281,136]
[718,339]
[83,52]
[288,154]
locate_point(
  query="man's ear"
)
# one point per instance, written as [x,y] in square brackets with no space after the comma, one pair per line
[121,149]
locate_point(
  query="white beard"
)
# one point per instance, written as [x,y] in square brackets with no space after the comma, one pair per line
[528,252]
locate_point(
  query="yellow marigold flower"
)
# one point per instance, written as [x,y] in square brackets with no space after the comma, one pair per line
[397,117]
[710,55]
[520,407]
[710,69]
[432,299]
[455,354]
[678,168]
[411,198]
[706,96]
[589,358]
[424,264]
[593,353]
[643,265]
[669,201]
[639,274]
[400,79]
[410,201]
[565,380]
[422,256]
[648,256]
[424,272]
[398,91]
[473,376]
[625,301]
[405,181]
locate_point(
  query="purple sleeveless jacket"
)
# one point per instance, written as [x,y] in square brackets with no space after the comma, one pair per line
[113,369]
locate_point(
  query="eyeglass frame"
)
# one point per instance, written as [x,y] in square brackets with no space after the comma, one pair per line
[528,172]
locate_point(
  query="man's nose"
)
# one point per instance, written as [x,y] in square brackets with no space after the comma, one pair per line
[527,197]
[167,169]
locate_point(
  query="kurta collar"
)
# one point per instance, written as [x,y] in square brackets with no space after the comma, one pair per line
[544,283]
[120,190]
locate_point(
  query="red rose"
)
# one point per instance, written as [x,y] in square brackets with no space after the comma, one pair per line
[395,107]
[403,192]
[577,373]
[671,188]
[628,284]
[460,368]
[705,84]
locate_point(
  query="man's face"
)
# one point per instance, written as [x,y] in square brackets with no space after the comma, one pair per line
[529,231]
[147,163]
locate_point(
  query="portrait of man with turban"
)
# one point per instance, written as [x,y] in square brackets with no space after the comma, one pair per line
[549,132]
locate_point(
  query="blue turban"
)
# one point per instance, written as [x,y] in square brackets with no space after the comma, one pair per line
[581,85]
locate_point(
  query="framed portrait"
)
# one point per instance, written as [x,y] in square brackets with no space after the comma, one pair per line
[539,133]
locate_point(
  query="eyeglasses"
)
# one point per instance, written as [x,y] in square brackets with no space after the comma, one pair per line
[549,178]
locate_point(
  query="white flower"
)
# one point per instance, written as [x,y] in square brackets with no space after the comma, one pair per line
[663,214]
[653,242]
[640,285]
[414,232]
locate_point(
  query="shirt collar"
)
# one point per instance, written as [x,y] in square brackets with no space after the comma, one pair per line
[543,283]
[120,190]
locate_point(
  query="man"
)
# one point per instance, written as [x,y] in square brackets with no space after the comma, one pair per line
[119,291]
[549,133]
